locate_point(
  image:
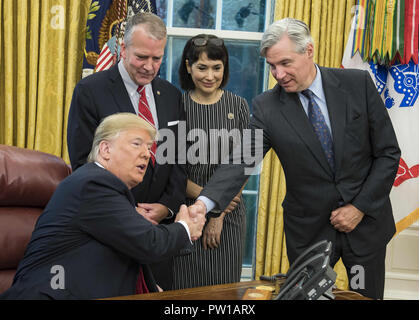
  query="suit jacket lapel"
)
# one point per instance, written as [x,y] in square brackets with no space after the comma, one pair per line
[293,111]
[122,187]
[118,91]
[336,99]
[159,99]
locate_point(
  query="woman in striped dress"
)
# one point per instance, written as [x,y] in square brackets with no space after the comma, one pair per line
[215,119]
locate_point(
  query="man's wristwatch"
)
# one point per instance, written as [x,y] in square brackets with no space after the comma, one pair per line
[214,213]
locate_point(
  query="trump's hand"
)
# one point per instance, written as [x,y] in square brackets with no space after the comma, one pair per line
[195,224]
[346,218]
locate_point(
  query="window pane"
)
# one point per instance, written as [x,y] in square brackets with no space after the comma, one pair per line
[161,6]
[194,13]
[177,48]
[251,203]
[246,69]
[246,15]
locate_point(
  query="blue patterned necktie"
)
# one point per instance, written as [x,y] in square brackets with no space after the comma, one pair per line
[320,127]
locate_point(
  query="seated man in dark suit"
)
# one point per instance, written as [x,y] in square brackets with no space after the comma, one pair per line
[133,85]
[90,242]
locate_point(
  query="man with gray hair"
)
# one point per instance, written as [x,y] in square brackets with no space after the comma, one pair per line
[133,86]
[90,242]
[334,138]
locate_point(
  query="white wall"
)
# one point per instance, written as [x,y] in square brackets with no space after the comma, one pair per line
[402,265]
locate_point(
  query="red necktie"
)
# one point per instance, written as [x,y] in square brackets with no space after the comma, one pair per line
[141,286]
[145,113]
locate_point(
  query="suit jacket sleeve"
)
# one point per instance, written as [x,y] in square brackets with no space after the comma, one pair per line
[82,123]
[108,216]
[385,153]
[229,178]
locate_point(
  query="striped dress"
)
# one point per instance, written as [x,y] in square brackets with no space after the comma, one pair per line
[204,124]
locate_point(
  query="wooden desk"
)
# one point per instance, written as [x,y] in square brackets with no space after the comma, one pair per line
[232,291]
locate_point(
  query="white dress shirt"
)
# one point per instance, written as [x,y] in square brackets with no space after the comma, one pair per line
[317,88]
[135,96]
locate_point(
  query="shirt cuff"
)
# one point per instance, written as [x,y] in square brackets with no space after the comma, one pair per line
[171,213]
[185,225]
[208,203]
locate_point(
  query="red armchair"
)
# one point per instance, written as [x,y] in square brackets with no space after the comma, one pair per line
[28,179]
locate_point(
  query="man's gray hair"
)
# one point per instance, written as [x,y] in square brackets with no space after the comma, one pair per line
[296,30]
[153,25]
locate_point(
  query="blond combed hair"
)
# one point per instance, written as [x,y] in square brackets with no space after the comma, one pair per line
[111,126]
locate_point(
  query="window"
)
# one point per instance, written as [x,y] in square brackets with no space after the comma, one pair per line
[241,24]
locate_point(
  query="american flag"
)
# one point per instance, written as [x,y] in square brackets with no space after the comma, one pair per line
[109,54]
[106,58]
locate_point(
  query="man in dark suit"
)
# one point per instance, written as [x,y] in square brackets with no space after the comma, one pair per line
[163,189]
[90,241]
[337,182]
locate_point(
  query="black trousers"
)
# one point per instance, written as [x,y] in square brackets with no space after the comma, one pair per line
[366,274]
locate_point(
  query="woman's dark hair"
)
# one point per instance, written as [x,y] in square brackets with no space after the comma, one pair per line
[214,48]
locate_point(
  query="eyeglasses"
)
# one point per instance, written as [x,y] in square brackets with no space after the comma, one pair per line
[200,42]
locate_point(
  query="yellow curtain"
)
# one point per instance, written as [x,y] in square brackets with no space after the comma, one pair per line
[40,63]
[329,22]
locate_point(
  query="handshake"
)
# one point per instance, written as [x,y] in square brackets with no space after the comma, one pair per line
[194,217]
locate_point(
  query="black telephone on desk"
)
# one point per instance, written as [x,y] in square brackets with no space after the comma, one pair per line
[310,277]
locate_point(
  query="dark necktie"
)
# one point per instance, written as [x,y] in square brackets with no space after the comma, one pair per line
[145,113]
[320,127]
